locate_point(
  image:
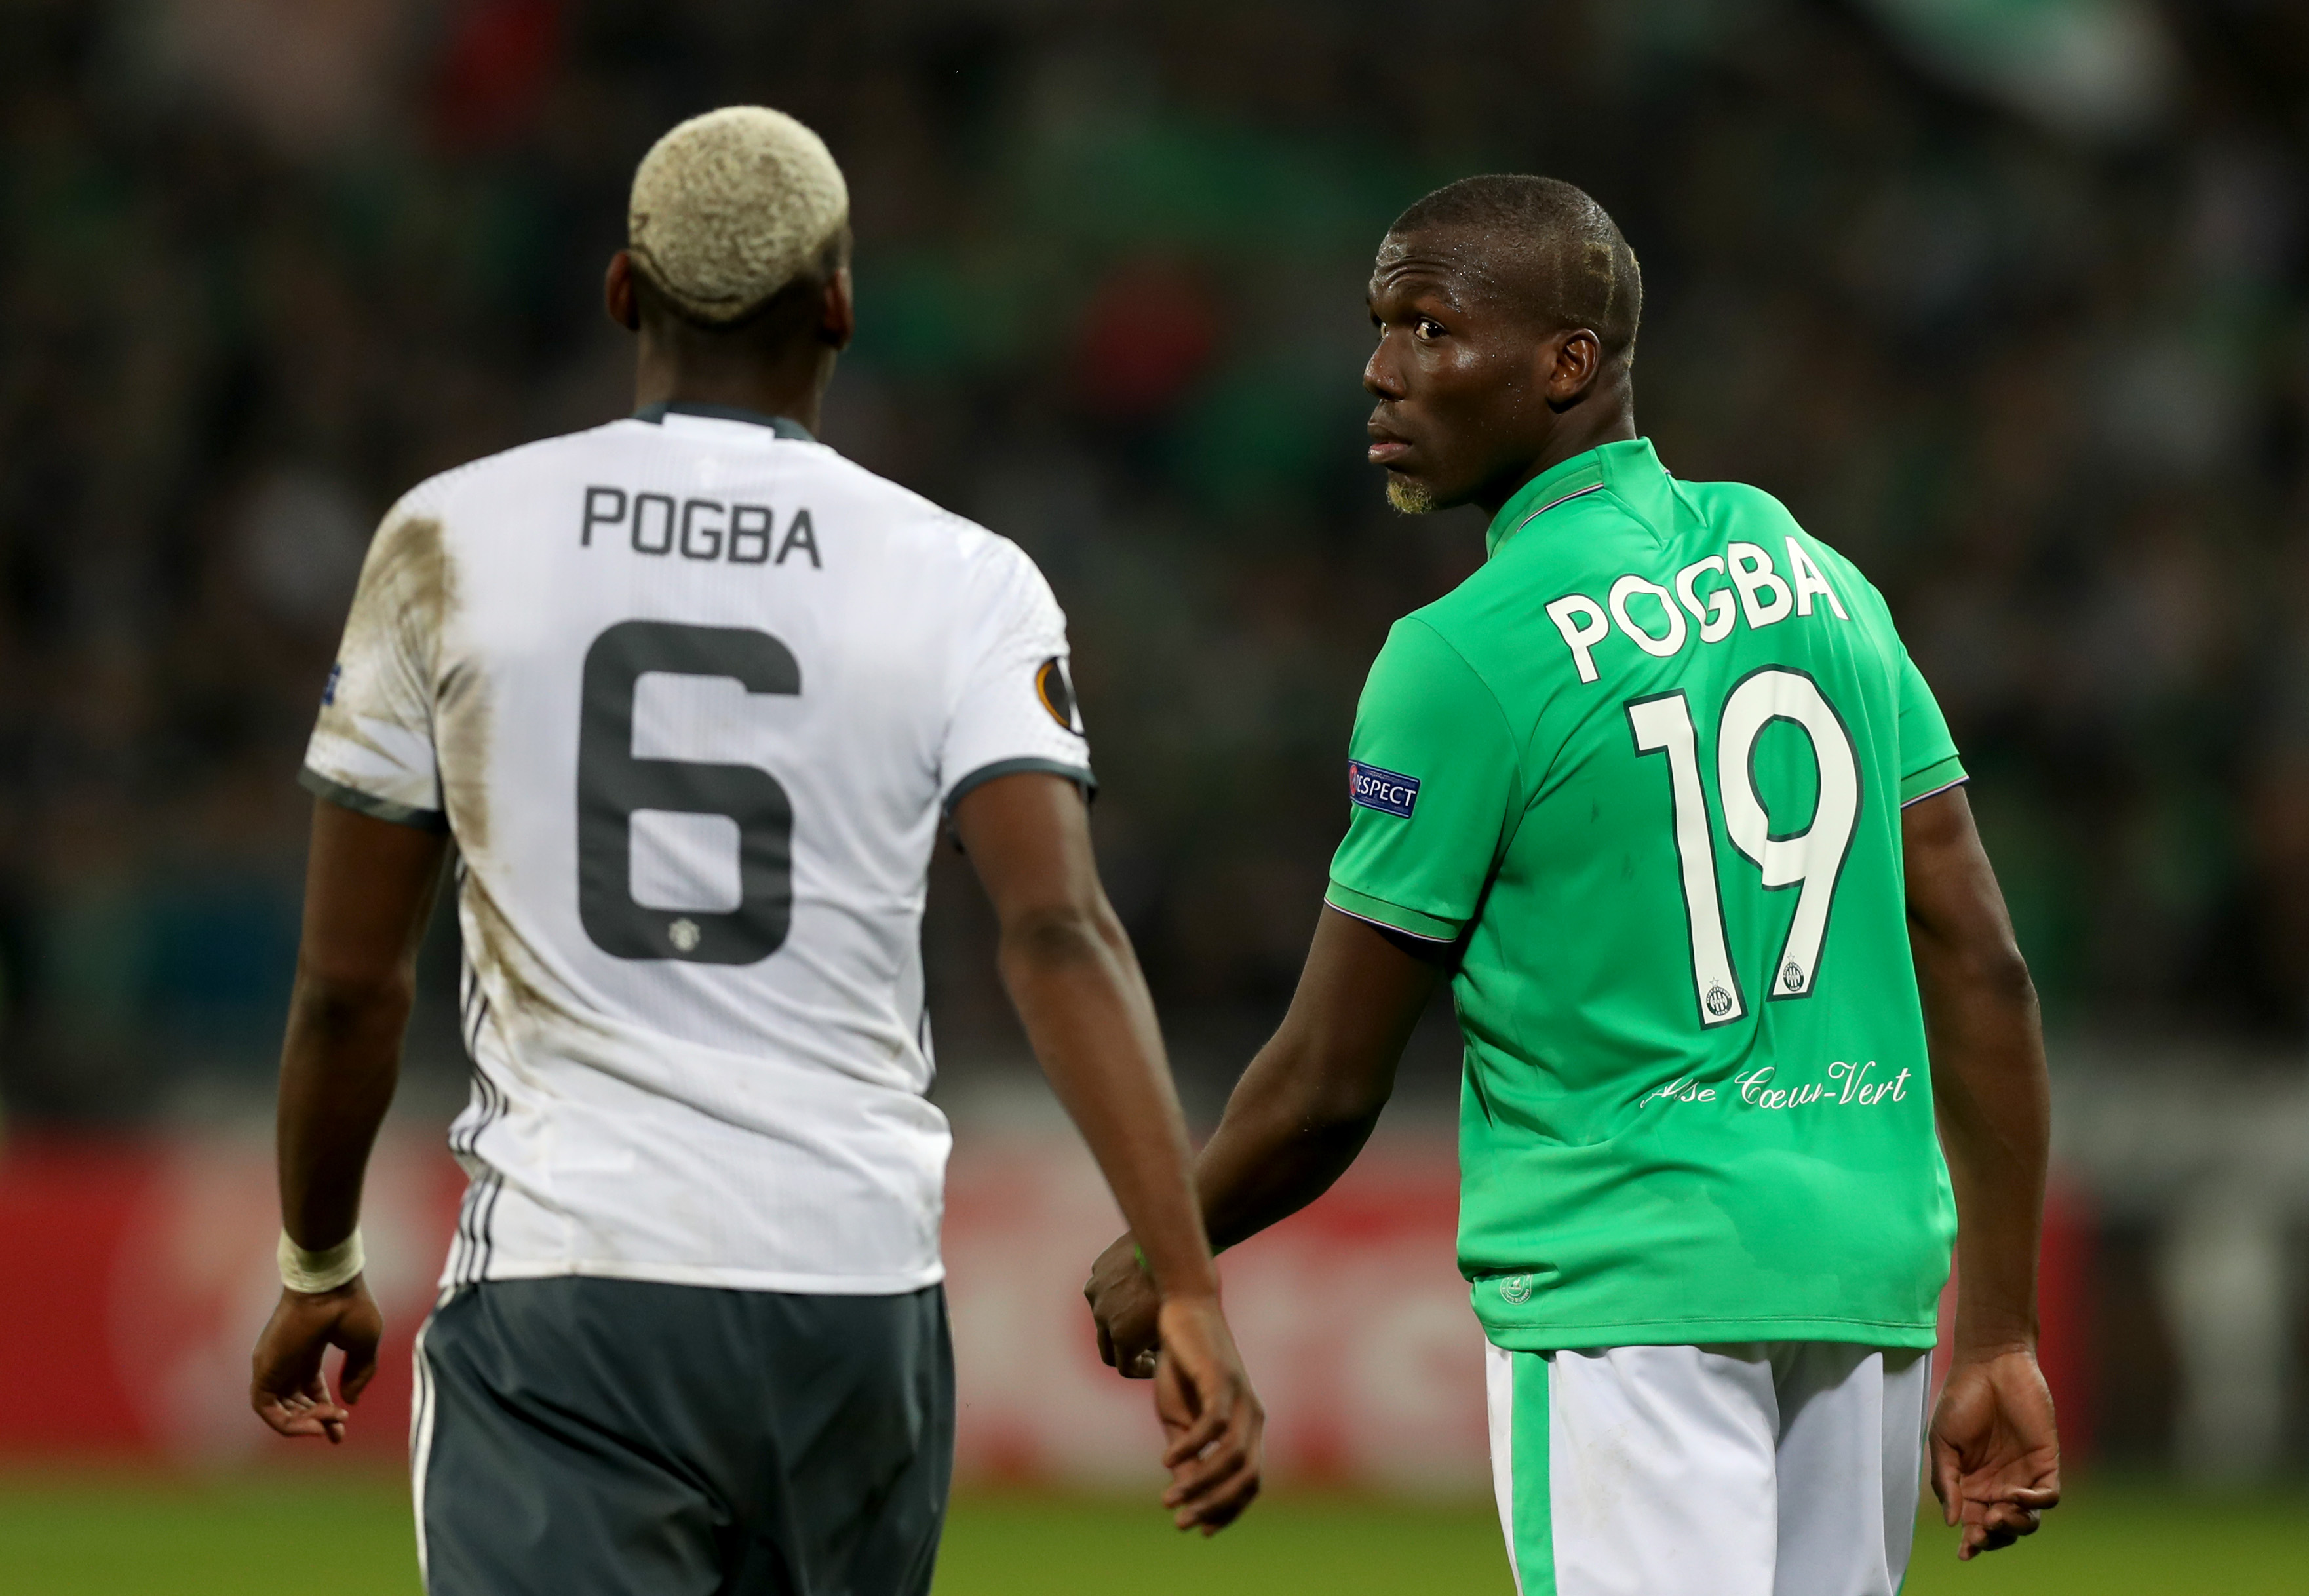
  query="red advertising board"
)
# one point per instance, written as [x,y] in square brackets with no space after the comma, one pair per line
[138,1272]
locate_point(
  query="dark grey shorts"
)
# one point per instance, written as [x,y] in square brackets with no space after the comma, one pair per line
[587,1437]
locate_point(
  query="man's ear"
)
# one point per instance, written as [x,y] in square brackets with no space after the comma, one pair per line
[1576,360]
[617,295]
[837,320]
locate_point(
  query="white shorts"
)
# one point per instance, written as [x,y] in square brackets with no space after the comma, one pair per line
[1760,1468]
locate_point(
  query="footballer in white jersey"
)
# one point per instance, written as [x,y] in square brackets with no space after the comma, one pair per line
[692,696]
[692,693]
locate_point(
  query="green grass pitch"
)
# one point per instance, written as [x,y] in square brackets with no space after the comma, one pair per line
[125,1535]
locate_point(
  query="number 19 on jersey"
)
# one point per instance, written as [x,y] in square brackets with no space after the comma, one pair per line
[1811,858]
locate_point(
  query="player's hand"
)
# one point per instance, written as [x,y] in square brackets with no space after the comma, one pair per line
[1212,1422]
[1996,1458]
[287,1387]
[1123,1305]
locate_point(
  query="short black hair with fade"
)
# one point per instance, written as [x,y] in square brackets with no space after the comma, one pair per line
[1575,267]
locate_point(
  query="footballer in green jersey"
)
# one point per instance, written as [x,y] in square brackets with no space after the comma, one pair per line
[1660,795]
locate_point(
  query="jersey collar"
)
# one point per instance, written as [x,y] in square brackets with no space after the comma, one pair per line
[655,414]
[1630,470]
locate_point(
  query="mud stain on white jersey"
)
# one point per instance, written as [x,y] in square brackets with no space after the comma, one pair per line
[395,621]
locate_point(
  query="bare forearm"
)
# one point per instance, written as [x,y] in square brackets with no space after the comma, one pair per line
[1079,990]
[368,888]
[1280,1145]
[1989,1090]
[1298,1117]
[338,1068]
[1994,1109]
[1310,1100]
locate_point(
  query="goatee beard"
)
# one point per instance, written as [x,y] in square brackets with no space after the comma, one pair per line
[1410,498]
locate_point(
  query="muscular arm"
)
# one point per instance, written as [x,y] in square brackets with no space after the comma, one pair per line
[1070,971]
[1995,1457]
[368,890]
[1301,1114]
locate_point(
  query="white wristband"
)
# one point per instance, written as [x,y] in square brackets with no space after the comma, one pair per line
[324,1270]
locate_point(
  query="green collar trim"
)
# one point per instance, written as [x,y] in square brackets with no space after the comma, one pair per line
[655,414]
[1629,468]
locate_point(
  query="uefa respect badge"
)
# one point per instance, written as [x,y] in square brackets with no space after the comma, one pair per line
[1389,791]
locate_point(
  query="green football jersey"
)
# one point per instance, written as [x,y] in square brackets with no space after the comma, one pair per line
[1647,767]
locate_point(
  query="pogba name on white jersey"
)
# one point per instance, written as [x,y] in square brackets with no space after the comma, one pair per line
[691,691]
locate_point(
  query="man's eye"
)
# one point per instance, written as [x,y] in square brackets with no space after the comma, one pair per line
[1426,329]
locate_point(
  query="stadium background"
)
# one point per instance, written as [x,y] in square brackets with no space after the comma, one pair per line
[2008,298]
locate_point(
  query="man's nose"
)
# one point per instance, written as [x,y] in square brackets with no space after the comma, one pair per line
[1381,379]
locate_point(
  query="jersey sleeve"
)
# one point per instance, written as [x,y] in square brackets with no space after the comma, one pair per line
[1016,708]
[1928,757]
[372,748]
[1432,782]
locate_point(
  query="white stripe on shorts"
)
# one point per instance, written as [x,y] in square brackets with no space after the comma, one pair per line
[420,1440]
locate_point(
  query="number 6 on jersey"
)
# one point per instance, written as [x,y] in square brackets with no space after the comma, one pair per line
[1812,857]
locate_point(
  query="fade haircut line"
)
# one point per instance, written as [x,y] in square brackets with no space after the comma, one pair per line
[1574,268]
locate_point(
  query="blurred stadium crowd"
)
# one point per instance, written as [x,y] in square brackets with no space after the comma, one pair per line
[2043,370]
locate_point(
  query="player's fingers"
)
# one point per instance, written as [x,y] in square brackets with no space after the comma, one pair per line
[299,1420]
[1213,1410]
[321,1413]
[1216,1519]
[279,1398]
[1105,1342]
[1204,1474]
[1974,1539]
[1992,1540]
[1235,1477]
[1130,1350]
[2011,1522]
[1240,1496]
[359,1368]
[1947,1481]
[1993,1526]
[1199,1477]
[316,1392]
[1192,1441]
[1198,1454]
[1223,1509]
[1229,1482]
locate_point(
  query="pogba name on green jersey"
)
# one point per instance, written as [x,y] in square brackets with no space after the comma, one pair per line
[1645,769]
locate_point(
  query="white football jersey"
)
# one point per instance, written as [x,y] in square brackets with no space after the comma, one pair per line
[690,691]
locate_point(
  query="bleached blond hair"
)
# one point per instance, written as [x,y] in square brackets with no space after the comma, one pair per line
[731,206]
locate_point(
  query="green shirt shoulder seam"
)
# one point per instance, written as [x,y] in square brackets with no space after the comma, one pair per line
[1515,742]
